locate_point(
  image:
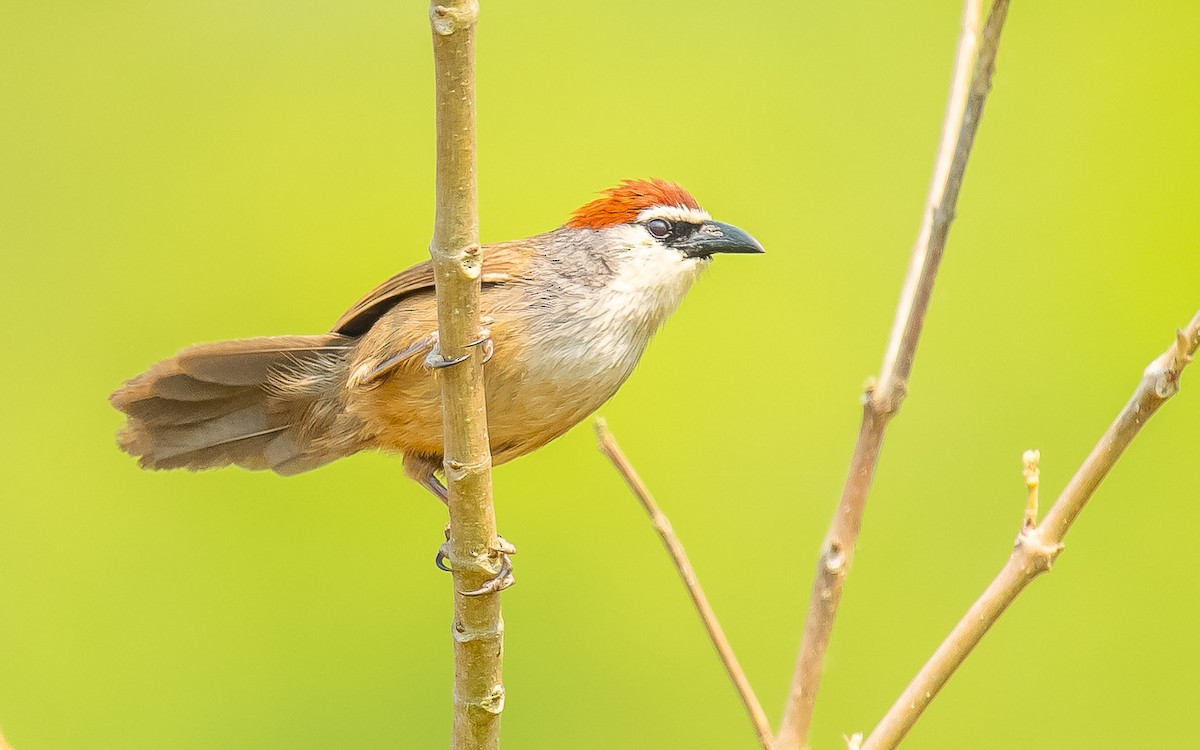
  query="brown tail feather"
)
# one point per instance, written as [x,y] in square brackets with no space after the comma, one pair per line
[157,411]
[251,361]
[236,402]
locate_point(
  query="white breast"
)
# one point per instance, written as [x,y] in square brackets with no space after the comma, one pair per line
[600,334]
[583,338]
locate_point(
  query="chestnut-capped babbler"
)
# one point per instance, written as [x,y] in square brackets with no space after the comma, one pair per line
[569,311]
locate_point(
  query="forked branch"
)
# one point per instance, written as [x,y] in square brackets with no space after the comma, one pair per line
[1038,545]
[758,717]
[972,81]
[473,550]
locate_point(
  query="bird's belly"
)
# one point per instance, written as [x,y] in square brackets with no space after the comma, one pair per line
[531,405]
[535,393]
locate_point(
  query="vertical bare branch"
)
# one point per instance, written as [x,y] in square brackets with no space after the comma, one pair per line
[974,65]
[1037,546]
[478,628]
[758,717]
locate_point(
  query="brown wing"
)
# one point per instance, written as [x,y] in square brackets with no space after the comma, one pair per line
[501,263]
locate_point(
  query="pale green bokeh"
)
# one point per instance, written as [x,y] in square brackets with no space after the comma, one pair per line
[180,172]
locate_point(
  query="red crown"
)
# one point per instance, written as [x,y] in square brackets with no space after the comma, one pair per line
[623,203]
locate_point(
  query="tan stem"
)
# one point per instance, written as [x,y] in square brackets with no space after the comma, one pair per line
[478,629]
[1037,546]
[662,525]
[973,69]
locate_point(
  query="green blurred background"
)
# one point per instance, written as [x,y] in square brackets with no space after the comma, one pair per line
[180,172]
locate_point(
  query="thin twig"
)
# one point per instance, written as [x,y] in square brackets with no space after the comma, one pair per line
[758,717]
[4,743]
[474,550]
[1037,547]
[971,83]
[1033,479]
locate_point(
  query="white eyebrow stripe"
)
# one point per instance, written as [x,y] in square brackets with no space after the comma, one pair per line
[675,213]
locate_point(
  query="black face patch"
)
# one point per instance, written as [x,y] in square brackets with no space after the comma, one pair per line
[675,231]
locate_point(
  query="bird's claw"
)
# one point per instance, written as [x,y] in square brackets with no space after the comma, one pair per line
[503,578]
[443,553]
[485,339]
[437,361]
[440,560]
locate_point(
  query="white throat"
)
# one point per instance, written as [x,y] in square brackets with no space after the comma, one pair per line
[650,282]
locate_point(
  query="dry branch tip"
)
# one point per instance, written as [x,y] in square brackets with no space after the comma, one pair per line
[1166,370]
[1033,475]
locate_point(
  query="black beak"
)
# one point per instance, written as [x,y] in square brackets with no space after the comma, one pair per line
[713,237]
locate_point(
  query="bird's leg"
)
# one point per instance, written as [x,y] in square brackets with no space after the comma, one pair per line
[438,489]
[504,577]
[370,373]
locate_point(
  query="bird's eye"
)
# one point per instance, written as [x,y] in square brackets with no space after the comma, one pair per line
[658,227]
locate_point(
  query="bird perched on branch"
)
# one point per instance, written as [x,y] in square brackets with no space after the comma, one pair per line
[569,314]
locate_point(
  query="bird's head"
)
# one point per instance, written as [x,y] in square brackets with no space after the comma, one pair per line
[644,242]
[663,217]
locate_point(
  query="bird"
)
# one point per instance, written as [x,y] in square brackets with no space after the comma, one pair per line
[568,313]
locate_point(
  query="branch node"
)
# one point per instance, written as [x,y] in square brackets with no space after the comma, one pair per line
[943,213]
[466,260]
[470,261]
[869,388]
[885,399]
[834,559]
[492,703]
[854,741]
[459,470]
[464,634]
[1182,349]
[1037,555]
[447,20]
[1165,371]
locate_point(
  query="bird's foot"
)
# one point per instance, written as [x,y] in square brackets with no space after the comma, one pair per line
[496,557]
[504,569]
[437,361]
[485,340]
[443,553]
